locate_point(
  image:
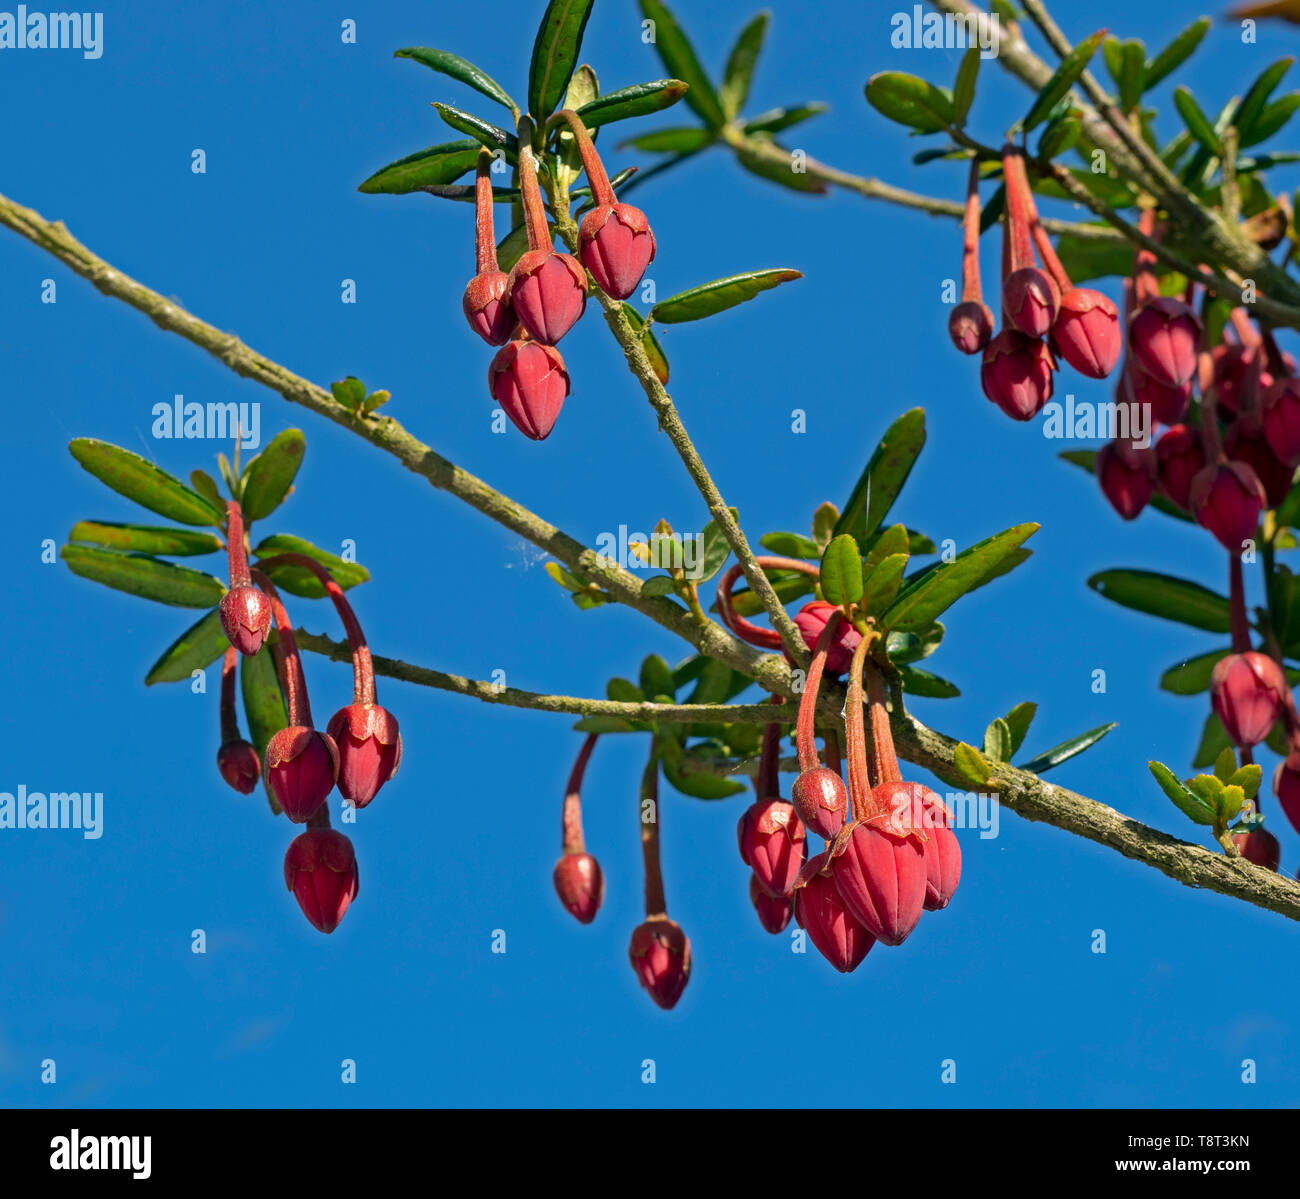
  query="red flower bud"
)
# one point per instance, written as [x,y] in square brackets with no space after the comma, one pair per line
[773,913]
[1282,420]
[616,245]
[1179,458]
[530,383]
[1286,786]
[301,769]
[1164,337]
[370,750]
[1016,374]
[1030,300]
[320,868]
[486,308]
[1227,498]
[942,850]
[882,874]
[660,954]
[970,325]
[1245,441]
[773,843]
[833,929]
[1259,846]
[246,617]
[1166,404]
[238,764]
[812,619]
[1087,333]
[1127,486]
[580,885]
[1231,363]
[1247,691]
[821,799]
[548,292]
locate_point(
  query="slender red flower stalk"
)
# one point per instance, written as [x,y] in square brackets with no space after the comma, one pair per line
[486,308]
[578,879]
[237,759]
[818,793]
[970,325]
[245,613]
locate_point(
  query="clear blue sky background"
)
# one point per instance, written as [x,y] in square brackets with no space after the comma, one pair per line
[95,935]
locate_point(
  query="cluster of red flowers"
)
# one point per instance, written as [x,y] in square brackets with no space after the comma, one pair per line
[527,311]
[359,751]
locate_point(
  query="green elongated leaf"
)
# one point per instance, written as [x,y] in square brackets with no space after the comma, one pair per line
[639,100]
[298,580]
[997,741]
[1187,801]
[882,585]
[483,132]
[1176,53]
[1132,78]
[1059,135]
[430,167]
[881,482]
[1067,749]
[910,100]
[1087,460]
[789,587]
[710,298]
[912,647]
[885,544]
[138,479]
[1165,596]
[1192,676]
[963,90]
[206,486]
[149,578]
[649,342]
[790,545]
[555,54]
[678,56]
[925,685]
[1066,75]
[271,474]
[1198,124]
[777,119]
[1018,721]
[1253,103]
[264,708]
[971,765]
[740,66]
[696,784]
[1272,119]
[841,571]
[823,524]
[714,548]
[775,163]
[446,63]
[144,539]
[671,141]
[624,691]
[712,682]
[940,586]
[195,649]
[657,679]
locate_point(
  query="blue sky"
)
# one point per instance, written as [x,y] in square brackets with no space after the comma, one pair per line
[96,934]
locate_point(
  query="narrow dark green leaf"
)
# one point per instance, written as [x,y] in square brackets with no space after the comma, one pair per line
[882,585]
[882,481]
[1176,53]
[740,66]
[149,578]
[697,784]
[963,90]
[435,165]
[1132,80]
[1065,76]
[206,486]
[1272,119]
[925,685]
[195,649]
[1059,135]
[1018,721]
[138,479]
[264,708]
[791,545]
[1198,124]
[841,571]
[1252,105]
[484,132]
[555,54]
[884,544]
[709,298]
[270,475]
[1165,596]
[639,100]
[1067,749]
[1186,800]
[679,57]
[910,100]
[1192,676]
[777,119]
[145,539]
[446,63]
[297,579]
[671,141]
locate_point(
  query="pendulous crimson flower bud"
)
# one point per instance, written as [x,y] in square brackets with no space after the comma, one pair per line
[660,954]
[1248,692]
[1246,442]
[487,309]
[942,850]
[246,617]
[1087,333]
[882,875]
[238,764]
[1281,417]
[821,799]
[530,383]
[1286,786]
[548,292]
[320,868]
[580,884]
[1125,484]
[1227,498]
[370,750]
[773,843]
[301,769]
[1259,846]
[812,618]
[1232,364]
[1180,457]
[970,325]
[833,929]
[1030,301]
[1016,374]
[1167,405]
[616,245]
[773,913]
[1164,336]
